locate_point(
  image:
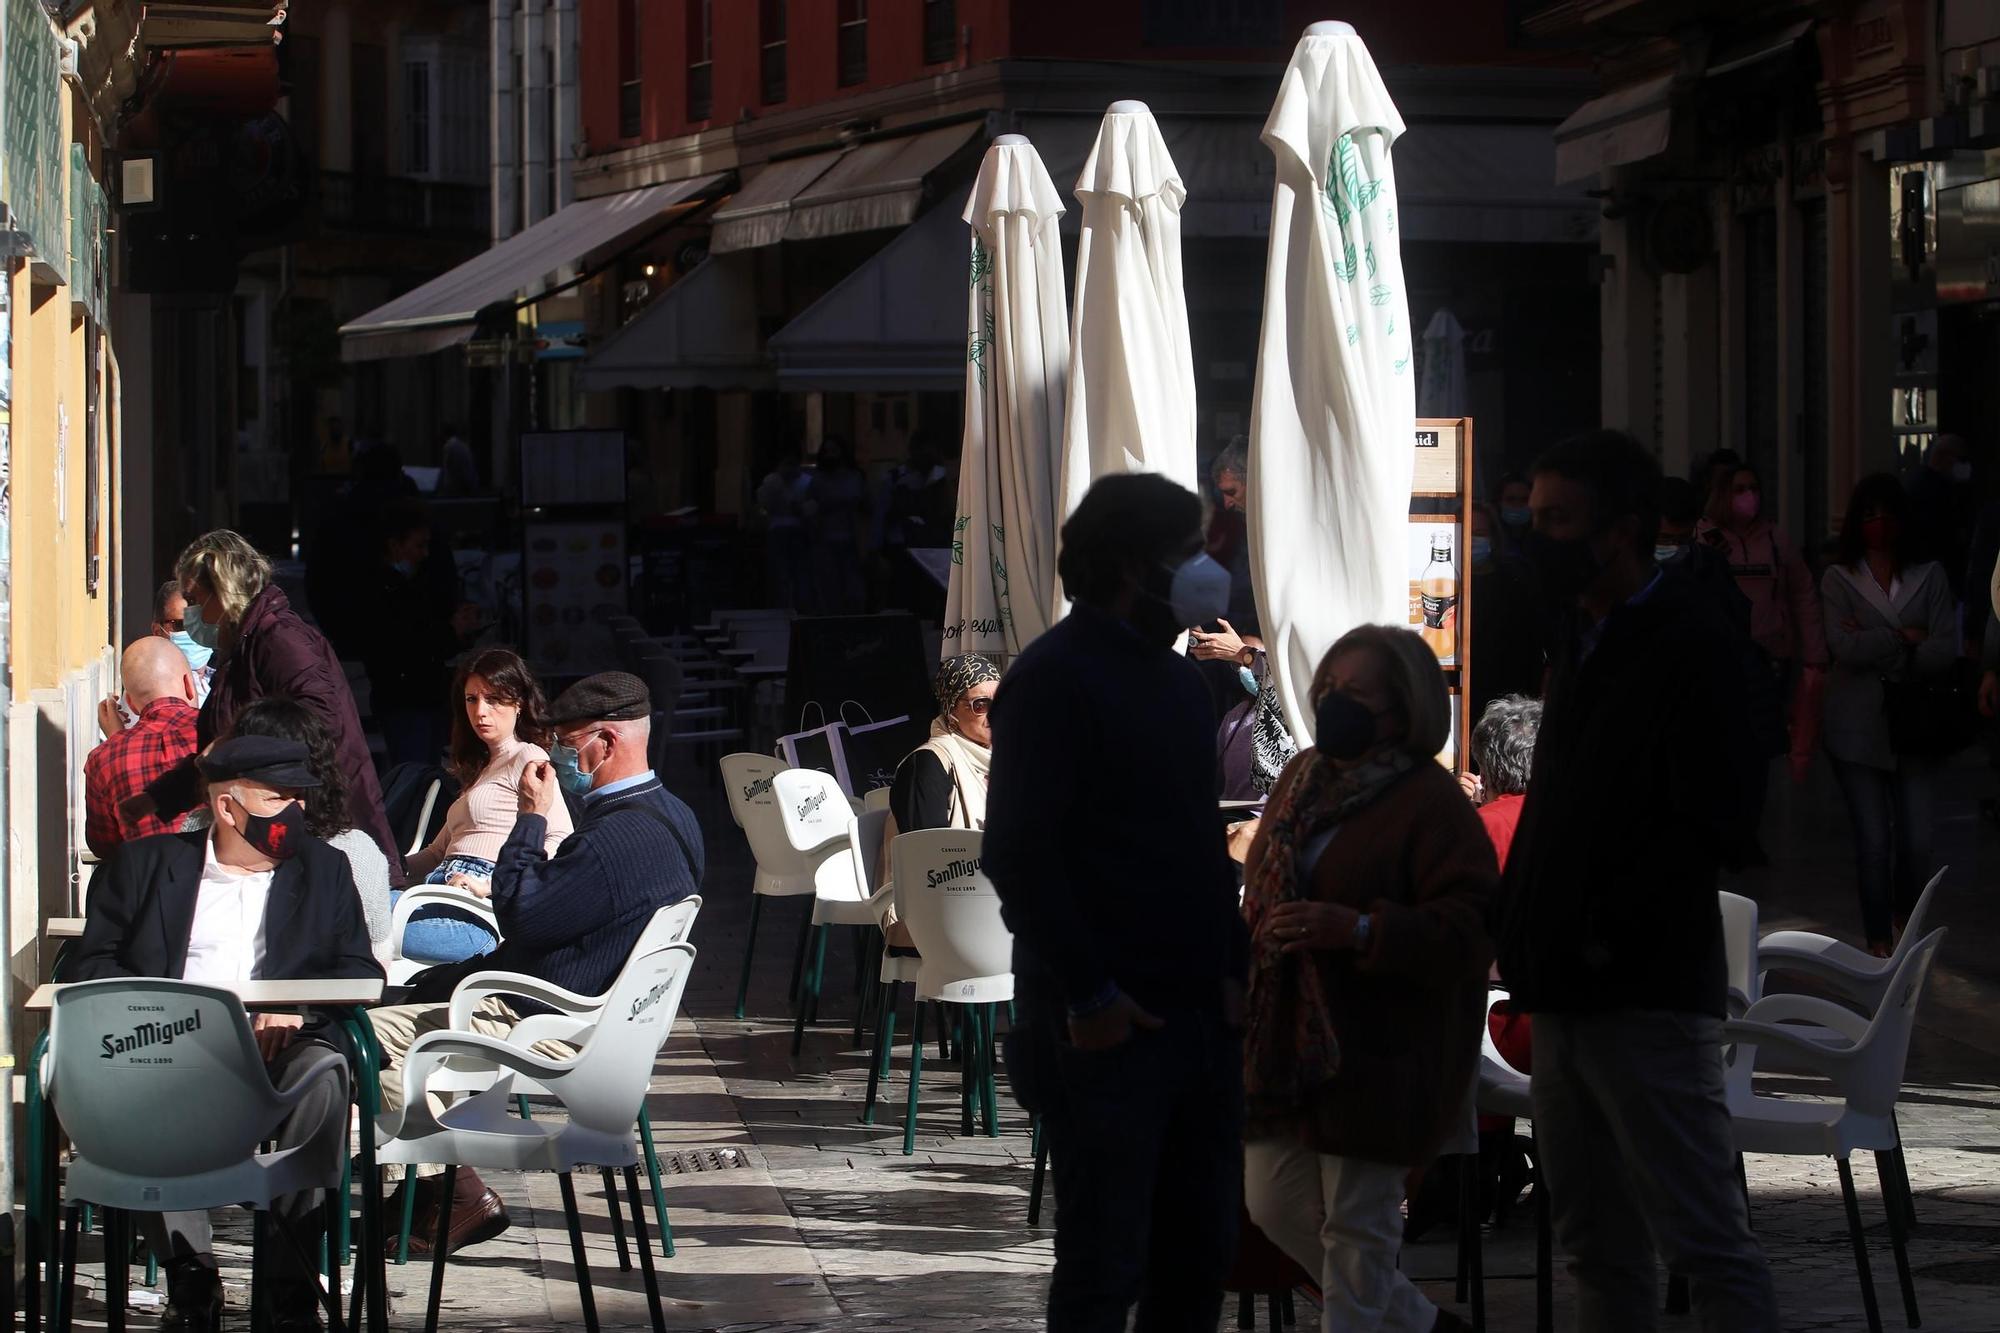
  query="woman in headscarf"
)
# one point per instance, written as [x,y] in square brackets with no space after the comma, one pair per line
[1365,892]
[942,783]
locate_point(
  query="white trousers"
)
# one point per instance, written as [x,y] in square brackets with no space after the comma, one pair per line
[1342,1218]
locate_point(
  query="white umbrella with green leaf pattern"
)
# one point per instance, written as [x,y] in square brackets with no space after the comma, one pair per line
[1003,589]
[1331,444]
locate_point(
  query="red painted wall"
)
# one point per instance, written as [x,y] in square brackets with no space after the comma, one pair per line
[1399,32]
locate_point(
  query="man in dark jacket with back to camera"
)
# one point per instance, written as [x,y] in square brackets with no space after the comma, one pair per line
[1609,930]
[1105,845]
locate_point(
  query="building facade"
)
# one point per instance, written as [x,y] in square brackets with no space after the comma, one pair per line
[1791,254]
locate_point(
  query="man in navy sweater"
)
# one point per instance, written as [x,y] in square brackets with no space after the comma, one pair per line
[1106,848]
[573,918]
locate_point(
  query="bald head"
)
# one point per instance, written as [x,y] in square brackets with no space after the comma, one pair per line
[153,668]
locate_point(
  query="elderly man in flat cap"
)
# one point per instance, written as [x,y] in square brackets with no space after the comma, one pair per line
[572,918]
[253,897]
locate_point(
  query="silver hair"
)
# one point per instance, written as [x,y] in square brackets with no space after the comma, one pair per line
[1503,743]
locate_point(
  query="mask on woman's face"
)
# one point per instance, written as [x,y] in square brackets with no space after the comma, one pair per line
[1745,504]
[1344,727]
[1879,534]
[276,836]
[1481,550]
[204,634]
[1516,516]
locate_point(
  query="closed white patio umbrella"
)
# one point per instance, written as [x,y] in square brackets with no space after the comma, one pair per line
[1334,409]
[1003,589]
[1131,385]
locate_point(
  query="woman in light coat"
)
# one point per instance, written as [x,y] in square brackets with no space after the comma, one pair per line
[1887,619]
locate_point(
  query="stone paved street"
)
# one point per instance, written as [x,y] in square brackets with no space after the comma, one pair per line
[827,1226]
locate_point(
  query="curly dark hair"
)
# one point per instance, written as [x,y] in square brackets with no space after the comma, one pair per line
[515,683]
[286,719]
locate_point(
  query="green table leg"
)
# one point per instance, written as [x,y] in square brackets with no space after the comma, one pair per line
[368,1091]
[659,1194]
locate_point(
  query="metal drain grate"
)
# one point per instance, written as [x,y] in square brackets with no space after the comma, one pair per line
[702,1159]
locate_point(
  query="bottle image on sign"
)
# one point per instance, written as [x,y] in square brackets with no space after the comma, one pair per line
[1434,600]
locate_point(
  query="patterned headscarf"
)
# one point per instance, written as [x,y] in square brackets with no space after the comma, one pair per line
[957,675]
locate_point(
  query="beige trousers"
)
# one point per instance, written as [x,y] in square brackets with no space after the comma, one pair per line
[397,1028]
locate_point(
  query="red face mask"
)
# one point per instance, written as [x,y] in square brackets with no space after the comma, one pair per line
[1878,533]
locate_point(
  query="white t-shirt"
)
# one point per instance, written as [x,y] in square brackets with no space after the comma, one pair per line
[226,945]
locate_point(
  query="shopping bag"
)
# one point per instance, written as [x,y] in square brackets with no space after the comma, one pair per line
[822,748]
[874,750]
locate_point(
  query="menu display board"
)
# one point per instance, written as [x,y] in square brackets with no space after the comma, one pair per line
[1440,607]
[573,578]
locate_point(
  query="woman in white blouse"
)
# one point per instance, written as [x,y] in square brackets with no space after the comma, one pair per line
[498,732]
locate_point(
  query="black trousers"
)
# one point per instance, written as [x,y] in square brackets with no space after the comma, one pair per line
[319,1119]
[1146,1152]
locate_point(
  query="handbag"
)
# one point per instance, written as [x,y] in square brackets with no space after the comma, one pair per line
[1930,717]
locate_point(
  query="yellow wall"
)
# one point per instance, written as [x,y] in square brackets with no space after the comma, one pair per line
[58,625]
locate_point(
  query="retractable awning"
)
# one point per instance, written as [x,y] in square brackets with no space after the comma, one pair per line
[699,333]
[895,324]
[872,186]
[441,312]
[876,185]
[1629,125]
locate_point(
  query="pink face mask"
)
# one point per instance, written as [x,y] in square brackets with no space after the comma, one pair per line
[1744,504]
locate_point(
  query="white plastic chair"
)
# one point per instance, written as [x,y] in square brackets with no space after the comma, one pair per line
[1739,949]
[601,1087]
[819,825]
[781,871]
[1504,1090]
[572,1021]
[186,1067]
[953,913]
[1866,1071]
[875,798]
[414,900]
[424,817]
[1858,977]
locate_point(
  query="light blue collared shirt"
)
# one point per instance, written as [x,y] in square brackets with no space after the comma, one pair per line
[623,784]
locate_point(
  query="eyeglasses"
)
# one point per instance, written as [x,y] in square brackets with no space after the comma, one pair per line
[175,626]
[978,706]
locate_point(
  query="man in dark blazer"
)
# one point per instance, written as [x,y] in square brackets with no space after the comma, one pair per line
[253,898]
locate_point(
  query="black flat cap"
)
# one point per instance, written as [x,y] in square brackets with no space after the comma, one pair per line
[265,759]
[609,696]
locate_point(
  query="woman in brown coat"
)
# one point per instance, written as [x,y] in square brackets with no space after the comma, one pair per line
[1366,894]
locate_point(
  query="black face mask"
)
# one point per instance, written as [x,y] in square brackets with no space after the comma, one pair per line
[1565,566]
[276,836]
[1343,726]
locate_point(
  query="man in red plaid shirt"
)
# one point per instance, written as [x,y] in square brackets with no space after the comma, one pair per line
[160,692]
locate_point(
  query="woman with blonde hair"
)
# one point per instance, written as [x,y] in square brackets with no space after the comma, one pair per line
[1366,893]
[262,647]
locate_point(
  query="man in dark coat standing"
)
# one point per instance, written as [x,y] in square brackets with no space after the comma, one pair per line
[254,898]
[1105,845]
[1608,924]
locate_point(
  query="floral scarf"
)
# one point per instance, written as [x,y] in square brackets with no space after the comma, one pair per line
[1292,1048]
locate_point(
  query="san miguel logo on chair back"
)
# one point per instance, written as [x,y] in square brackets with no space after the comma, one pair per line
[149,1034]
[810,804]
[966,868]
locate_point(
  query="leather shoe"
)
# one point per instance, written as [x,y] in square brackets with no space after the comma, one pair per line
[473,1222]
[194,1298]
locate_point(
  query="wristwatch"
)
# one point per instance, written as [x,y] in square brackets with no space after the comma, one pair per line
[1246,656]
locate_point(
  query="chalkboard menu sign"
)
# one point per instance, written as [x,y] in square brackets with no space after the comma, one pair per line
[839,663]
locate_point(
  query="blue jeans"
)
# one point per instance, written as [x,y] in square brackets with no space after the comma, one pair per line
[1893,826]
[1146,1152]
[440,934]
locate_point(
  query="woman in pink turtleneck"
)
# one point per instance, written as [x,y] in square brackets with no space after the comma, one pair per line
[497,733]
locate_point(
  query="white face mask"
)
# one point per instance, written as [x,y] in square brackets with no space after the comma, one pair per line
[1199,593]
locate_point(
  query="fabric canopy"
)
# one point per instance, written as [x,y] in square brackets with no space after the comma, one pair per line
[1131,378]
[699,333]
[884,327]
[757,214]
[1333,414]
[875,185]
[1003,590]
[1629,125]
[441,312]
